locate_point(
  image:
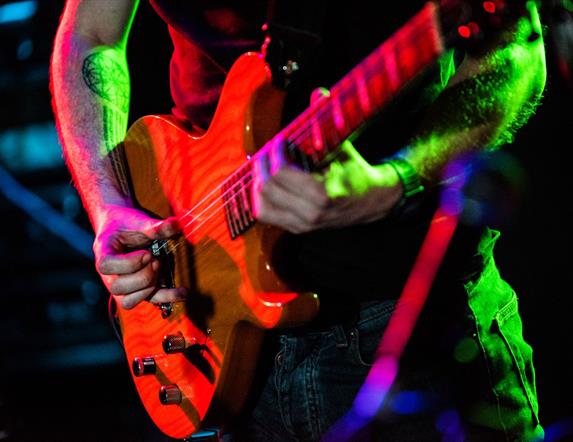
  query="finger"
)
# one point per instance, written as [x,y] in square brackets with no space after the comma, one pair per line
[349,210]
[285,219]
[302,208]
[131,300]
[169,295]
[303,184]
[134,282]
[351,151]
[163,229]
[341,213]
[112,263]
[318,93]
[148,231]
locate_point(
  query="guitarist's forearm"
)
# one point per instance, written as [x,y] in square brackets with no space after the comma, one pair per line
[490,98]
[90,87]
[91,101]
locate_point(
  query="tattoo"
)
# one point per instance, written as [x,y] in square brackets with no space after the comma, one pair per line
[108,79]
[114,126]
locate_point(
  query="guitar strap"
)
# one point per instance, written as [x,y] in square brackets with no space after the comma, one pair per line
[293,36]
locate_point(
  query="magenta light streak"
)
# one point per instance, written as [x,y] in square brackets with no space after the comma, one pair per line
[407,311]
[382,375]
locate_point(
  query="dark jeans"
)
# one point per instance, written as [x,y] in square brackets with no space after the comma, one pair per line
[466,375]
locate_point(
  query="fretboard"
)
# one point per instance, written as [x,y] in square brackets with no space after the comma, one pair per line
[364,91]
[314,137]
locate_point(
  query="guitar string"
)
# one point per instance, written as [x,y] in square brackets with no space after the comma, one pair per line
[394,41]
[299,128]
[245,170]
[413,35]
[234,189]
[300,132]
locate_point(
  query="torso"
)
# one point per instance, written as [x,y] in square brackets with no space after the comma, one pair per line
[208,37]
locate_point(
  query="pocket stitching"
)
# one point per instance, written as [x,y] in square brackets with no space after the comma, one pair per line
[355,339]
[501,317]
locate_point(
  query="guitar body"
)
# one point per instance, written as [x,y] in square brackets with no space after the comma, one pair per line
[235,292]
[193,362]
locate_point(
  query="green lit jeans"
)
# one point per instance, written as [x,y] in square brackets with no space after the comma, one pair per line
[466,375]
[512,403]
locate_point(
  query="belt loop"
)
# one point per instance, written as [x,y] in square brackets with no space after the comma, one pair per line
[340,336]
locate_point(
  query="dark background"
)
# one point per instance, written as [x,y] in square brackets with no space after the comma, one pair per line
[63,376]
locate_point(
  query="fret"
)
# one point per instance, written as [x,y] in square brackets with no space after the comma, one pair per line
[338,116]
[354,115]
[309,139]
[408,60]
[309,147]
[362,91]
[233,212]
[246,203]
[246,193]
[239,212]
[298,137]
[242,194]
[237,201]
[330,132]
[317,140]
[230,224]
[234,204]
[259,165]
[394,79]
[297,156]
[384,72]
[276,154]
[379,90]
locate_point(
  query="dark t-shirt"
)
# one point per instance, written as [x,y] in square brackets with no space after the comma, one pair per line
[365,261]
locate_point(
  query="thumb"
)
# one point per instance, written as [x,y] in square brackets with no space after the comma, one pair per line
[318,94]
[162,229]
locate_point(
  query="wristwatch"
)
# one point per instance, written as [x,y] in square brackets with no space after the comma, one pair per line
[410,179]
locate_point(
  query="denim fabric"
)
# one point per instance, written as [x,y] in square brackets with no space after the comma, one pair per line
[513,405]
[466,375]
[315,377]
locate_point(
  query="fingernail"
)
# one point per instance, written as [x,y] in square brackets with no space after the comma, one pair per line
[155,265]
[146,258]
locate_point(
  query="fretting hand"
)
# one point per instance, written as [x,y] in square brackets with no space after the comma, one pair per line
[350,191]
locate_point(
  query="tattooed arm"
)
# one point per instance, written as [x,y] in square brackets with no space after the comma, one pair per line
[90,87]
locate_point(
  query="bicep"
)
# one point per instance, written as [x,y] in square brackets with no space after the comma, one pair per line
[99,22]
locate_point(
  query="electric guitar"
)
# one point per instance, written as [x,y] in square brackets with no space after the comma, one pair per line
[193,362]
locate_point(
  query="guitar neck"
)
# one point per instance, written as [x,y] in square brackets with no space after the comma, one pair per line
[317,133]
[313,139]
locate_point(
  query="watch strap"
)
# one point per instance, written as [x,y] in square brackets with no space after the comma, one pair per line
[408,176]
